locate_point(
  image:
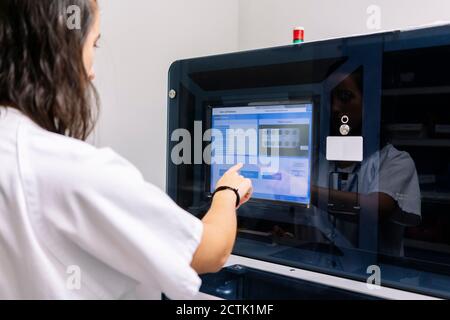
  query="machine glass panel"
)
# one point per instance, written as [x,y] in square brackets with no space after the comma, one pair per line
[347,142]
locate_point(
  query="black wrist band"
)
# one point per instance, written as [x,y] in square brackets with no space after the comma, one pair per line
[236,192]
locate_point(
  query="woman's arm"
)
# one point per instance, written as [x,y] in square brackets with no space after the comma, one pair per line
[220,223]
[385,204]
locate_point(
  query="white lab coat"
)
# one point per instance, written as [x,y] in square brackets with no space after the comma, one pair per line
[77,222]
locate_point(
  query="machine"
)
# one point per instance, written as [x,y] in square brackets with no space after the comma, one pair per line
[347,143]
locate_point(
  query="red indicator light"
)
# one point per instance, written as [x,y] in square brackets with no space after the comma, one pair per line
[299,35]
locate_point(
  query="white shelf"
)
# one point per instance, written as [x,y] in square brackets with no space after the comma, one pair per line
[422,142]
[416,91]
[436,196]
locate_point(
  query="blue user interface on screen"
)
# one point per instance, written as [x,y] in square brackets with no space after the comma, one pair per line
[273,142]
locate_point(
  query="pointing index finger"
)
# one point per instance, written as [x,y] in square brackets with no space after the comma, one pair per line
[236,168]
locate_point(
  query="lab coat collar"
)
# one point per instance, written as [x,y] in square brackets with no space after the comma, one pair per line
[6,112]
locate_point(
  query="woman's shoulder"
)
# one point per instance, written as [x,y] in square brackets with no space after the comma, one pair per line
[57,156]
[390,153]
[43,143]
[390,159]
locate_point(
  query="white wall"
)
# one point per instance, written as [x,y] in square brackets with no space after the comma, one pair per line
[266,23]
[140,39]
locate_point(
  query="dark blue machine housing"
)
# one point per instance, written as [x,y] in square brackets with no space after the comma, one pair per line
[392,210]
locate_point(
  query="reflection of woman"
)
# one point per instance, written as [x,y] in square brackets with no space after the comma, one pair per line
[387,180]
[66,204]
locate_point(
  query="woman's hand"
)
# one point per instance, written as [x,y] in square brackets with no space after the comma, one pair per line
[233,179]
[220,223]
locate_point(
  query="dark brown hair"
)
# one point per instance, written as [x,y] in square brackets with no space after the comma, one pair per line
[41,64]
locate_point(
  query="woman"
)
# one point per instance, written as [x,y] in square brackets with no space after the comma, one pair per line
[79,222]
